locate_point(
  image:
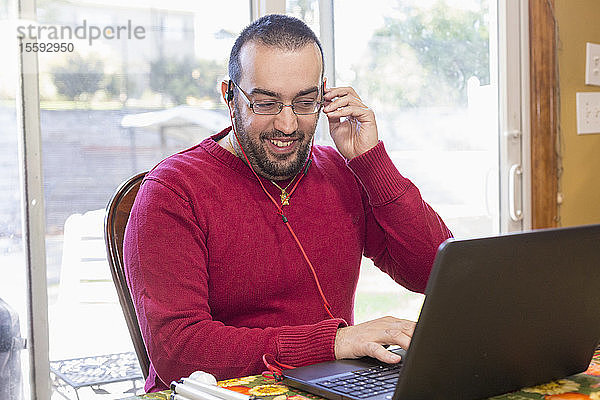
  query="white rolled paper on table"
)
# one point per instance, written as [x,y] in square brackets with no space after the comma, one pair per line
[203,386]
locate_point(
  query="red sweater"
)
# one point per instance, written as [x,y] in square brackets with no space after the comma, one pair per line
[218,281]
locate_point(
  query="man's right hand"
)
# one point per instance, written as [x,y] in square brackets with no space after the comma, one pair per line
[368,339]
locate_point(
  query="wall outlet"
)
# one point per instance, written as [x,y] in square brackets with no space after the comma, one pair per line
[592,64]
[588,112]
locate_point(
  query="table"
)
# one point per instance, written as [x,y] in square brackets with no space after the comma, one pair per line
[584,386]
[94,371]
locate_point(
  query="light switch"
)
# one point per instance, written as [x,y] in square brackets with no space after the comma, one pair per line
[592,64]
[588,112]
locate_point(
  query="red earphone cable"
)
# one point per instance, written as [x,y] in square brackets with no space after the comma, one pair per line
[325,302]
[283,217]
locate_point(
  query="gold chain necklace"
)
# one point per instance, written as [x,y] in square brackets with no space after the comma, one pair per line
[285,197]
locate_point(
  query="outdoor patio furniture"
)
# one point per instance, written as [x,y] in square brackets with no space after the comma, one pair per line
[89,344]
[94,371]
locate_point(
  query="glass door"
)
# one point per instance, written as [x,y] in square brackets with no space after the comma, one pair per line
[121,86]
[429,70]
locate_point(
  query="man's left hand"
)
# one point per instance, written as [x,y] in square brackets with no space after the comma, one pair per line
[357,133]
[368,338]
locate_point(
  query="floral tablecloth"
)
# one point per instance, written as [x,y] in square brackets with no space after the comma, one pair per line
[584,386]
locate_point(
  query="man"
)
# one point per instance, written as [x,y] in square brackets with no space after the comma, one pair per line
[250,243]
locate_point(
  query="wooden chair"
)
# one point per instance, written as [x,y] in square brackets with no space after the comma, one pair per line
[117,215]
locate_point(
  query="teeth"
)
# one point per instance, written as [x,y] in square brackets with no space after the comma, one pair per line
[279,143]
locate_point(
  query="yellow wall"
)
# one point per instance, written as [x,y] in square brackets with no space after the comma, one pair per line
[578,23]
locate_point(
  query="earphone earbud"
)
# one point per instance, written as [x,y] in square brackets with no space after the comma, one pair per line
[229,91]
[229,98]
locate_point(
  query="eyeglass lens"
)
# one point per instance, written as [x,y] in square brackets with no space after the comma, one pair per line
[275,107]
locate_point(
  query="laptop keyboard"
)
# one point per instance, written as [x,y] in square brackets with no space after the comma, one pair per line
[366,382]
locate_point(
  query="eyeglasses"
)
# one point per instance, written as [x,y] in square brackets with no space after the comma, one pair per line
[271,107]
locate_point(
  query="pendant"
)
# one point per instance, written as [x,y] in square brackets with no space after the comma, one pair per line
[284,198]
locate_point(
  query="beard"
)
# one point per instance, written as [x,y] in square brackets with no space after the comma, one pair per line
[284,166]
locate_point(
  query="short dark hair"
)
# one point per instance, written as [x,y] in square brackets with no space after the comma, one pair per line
[281,31]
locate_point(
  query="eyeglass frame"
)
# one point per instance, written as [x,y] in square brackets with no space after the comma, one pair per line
[280,103]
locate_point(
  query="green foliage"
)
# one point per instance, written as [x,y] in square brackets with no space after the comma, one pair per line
[424,57]
[78,76]
[301,9]
[179,79]
[114,83]
[122,86]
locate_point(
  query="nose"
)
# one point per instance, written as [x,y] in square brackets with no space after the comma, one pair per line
[286,121]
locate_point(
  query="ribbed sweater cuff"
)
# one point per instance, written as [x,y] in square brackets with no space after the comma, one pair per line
[378,175]
[308,344]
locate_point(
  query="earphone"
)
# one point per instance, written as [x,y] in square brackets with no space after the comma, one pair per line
[229,93]
[279,209]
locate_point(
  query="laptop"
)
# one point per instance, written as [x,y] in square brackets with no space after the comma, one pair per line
[500,313]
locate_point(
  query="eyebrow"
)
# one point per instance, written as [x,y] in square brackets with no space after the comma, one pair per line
[271,93]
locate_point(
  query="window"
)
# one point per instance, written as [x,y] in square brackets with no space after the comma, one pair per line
[110,108]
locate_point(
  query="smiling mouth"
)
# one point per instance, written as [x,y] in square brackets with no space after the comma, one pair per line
[282,144]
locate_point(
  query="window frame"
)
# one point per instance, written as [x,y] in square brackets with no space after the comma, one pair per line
[33,215]
[545,113]
[514,119]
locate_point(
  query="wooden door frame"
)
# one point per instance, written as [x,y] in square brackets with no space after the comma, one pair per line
[544,107]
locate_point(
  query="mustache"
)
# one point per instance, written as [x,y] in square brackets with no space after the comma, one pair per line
[276,134]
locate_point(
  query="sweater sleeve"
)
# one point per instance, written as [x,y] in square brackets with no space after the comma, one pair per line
[402,231]
[166,255]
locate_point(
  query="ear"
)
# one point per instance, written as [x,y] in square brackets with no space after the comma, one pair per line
[226,91]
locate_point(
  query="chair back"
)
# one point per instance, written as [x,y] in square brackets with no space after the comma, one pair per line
[117,215]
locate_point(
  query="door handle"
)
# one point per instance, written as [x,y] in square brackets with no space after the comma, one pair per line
[515,214]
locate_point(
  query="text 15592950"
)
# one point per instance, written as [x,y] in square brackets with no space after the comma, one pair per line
[50,47]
